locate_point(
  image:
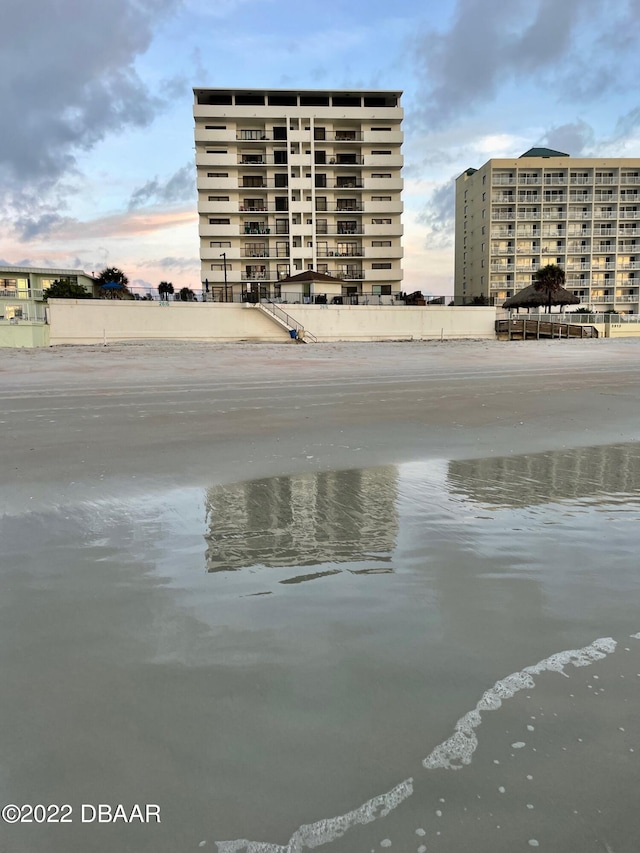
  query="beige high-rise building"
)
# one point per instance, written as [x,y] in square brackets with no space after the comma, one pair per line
[545,207]
[295,180]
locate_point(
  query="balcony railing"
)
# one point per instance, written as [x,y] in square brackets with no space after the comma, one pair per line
[503,180]
[531,180]
[502,198]
[350,185]
[329,253]
[580,179]
[502,215]
[21,294]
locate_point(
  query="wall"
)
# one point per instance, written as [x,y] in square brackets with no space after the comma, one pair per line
[86,321]
[378,323]
[23,334]
[621,330]
[90,321]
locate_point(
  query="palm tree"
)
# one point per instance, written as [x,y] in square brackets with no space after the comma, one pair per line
[112,283]
[164,289]
[548,280]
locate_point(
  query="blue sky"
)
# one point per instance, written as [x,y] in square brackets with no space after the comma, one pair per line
[96,151]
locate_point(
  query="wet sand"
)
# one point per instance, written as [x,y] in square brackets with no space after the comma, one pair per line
[263,587]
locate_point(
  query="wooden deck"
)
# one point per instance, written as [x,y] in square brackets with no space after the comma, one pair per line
[522,329]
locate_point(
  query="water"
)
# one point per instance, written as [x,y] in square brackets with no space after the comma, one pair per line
[303,661]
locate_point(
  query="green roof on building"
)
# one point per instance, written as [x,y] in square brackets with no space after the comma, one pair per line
[543,152]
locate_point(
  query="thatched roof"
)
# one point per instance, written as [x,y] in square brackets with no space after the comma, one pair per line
[529,297]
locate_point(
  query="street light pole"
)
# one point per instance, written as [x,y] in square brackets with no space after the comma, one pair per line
[224,260]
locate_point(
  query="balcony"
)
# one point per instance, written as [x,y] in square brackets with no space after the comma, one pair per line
[605,179]
[528,214]
[606,198]
[503,180]
[348,185]
[630,179]
[502,198]
[351,274]
[578,265]
[341,207]
[502,232]
[580,179]
[531,180]
[498,268]
[498,215]
[555,180]
[577,198]
[344,160]
[32,293]
[529,198]
[554,214]
[331,253]
[605,214]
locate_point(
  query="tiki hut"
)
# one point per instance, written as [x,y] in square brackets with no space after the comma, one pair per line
[531,297]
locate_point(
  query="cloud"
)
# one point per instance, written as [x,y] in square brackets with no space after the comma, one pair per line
[181,186]
[488,47]
[439,215]
[575,138]
[171,263]
[67,80]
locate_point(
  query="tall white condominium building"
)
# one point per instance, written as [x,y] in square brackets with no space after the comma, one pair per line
[295,180]
[545,207]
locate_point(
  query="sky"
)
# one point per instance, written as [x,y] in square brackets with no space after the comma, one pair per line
[97,161]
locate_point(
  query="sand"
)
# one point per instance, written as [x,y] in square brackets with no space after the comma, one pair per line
[82,422]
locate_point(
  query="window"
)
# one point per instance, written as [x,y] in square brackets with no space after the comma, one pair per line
[256,250]
[218,198]
[378,244]
[381,266]
[373,151]
[380,198]
[319,133]
[321,203]
[220,244]
[279,132]
[220,221]
[321,180]
[381,289]
[381,174]
[215,127]
[216,150]
[282,202]
[281,180]
[321,226]
[381,222]
[220,267]
[279,157]
[252,134]
[217,174]
[252,181]
[380,128]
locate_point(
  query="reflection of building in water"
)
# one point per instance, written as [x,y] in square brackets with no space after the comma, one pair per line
[517,481]
[303,520]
